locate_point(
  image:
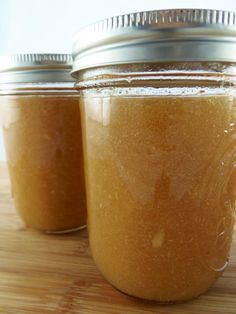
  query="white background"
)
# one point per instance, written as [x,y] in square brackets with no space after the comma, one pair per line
[44,26]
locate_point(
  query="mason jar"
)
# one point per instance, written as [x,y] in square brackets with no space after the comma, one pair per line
[42,131]
[159,133]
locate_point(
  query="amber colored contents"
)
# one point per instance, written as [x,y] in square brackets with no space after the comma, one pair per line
[44,151]
[160,175]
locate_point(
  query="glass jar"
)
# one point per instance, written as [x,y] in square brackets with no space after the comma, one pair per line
[42,132]
[159,129]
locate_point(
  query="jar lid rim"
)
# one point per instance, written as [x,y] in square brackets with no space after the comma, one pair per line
[147,36]
[35,60]
[35,67]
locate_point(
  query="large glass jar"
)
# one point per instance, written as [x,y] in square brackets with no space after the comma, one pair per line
[42,132]
[159,130]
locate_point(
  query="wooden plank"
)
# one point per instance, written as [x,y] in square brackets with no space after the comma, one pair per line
[42,274]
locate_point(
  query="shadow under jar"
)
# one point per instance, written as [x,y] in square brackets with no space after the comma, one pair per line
[159,131]
[42,132]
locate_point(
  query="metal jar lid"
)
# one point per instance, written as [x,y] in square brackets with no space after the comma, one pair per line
[35,68]
[157,36]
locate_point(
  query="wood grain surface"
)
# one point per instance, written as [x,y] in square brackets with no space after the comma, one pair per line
[55,274]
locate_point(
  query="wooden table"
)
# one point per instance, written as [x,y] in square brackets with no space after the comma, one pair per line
[45,274]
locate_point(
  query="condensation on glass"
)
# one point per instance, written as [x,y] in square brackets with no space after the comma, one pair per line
[159,130]
[42,132]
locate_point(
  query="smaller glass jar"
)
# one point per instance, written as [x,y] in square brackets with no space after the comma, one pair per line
[158,103]
[42,133]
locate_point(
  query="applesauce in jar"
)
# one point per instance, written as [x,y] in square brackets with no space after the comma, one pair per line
[159,150]
[42,133]
[161,191]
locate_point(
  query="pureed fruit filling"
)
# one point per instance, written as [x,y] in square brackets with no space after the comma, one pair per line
[161,190]
[44,152]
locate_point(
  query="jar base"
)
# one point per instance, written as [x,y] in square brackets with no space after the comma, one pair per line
[65,231]
[159,302]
